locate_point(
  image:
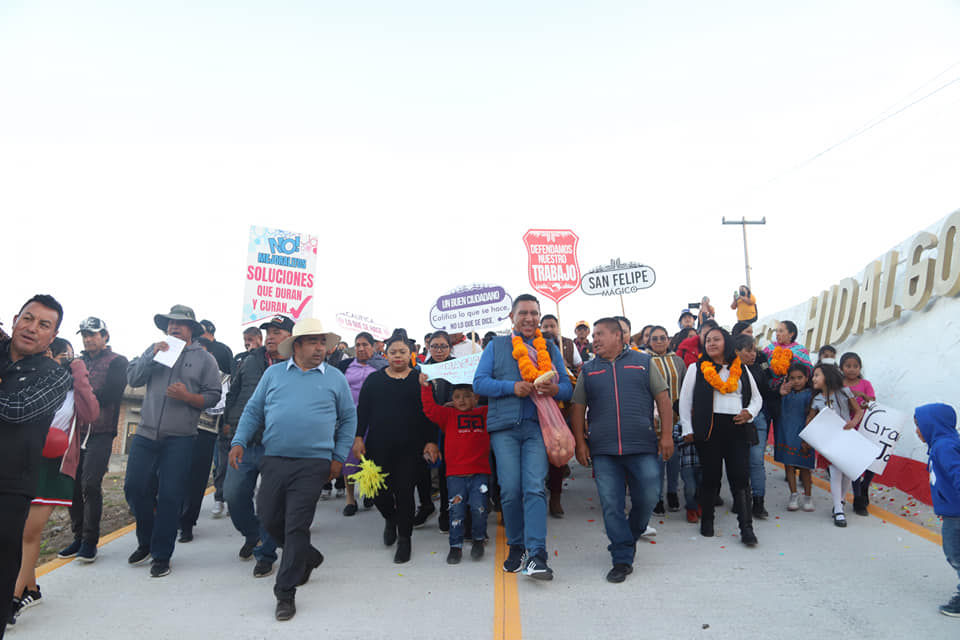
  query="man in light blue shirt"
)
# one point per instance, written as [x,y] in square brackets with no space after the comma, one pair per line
[309,421]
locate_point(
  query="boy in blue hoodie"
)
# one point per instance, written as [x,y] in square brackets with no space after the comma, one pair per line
[937,426]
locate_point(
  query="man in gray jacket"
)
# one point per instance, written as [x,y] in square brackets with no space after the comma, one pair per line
[162,449]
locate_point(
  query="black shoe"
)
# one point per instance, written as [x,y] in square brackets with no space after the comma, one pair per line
[706,528]
[403,551]
[454,556]
[673,502]
[138,557]
[536,568]
[263,569]
[350,510]
[286,609]
[368,503]
[759,511]
[316,559]
[246,551]
[444,521]
[70,551]
[659,510]
[423,514]
[159,568]
[389,533]
[186,535]
[476,549]
[748,537]
[859,506]
[514,561]
[619,572]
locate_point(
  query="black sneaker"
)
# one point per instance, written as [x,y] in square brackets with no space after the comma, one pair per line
[423,514]
[87,553]
[619,572]
[389,533]
[444,522]
[453,557]
[706,528]
[246,551]
[29,599]
[69,552]
[476,549]
[368,503]
[514,561]
[673,502]
[186,535]
[138,557]
[160,568]
[315,561]
[952,608]
[263,569]
[286,609]
[659,510]
[350,510]
[536,567]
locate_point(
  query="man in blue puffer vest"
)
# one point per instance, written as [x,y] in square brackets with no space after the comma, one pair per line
[620,388]
[516,440]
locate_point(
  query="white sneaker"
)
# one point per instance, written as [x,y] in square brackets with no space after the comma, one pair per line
[219,510]
[649,532]
[341,493]
[807,503]
[794,503]
[325,494]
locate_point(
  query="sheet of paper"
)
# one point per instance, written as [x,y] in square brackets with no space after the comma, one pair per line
[169,357]
[454,371]
[847,449]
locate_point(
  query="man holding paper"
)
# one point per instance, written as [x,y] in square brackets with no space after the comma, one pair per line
[178,389]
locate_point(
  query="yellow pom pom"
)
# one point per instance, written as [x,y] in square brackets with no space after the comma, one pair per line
[370,480]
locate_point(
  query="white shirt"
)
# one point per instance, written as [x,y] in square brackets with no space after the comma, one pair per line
[322,366]
[725,403]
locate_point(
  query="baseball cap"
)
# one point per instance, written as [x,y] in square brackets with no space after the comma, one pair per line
[93,325]
[280,322]
[582,323]
[208,326]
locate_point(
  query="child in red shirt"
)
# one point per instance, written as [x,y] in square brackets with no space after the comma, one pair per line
[467,453]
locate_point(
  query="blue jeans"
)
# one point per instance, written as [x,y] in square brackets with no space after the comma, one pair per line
[521,470]
[670,468]
[758,474]
[613,473]
[691,484]
[468,490]
[238,487]
[950,531]
[158,472]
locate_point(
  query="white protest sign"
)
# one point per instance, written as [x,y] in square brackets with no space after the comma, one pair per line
[471,308]
[454,371]
[617,279]
[169,357]
[883,425]
[845,448]
[358,323]
[281,267]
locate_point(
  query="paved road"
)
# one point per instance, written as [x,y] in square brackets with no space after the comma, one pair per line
[870,580]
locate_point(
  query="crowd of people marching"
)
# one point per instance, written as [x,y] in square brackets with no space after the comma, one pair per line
[302,413]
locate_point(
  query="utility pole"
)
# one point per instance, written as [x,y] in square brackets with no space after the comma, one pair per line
[743,222]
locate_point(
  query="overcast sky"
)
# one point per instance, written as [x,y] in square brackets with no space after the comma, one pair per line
[139,141]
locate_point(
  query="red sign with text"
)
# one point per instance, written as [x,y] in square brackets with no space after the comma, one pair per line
[552,262]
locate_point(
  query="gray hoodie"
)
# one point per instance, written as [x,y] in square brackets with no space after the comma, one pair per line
[162,416]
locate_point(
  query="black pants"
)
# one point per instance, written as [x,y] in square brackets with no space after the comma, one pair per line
[396,501]
[727,444]
[199,476]
[87,508]
[220,454]
[425,485]
[13,515]
[289,491]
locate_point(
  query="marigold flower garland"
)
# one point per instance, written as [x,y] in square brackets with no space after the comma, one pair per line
[780,361]
[710,375]
[528,370]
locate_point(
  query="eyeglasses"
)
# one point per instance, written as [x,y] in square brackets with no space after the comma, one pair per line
[439,347]
[658,339]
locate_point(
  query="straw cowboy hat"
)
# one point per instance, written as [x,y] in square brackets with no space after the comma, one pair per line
[307,327]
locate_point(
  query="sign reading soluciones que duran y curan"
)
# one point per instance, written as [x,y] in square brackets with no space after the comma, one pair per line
[281,268]
[617,279]
[552,262]
[471,308]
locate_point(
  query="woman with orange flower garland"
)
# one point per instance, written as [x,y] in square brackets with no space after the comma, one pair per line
[718,402]
[781,355]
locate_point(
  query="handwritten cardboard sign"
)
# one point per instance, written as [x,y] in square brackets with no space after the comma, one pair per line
[883,425]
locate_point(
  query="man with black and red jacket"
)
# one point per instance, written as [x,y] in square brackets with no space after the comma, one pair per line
[108,377]
[32,388]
